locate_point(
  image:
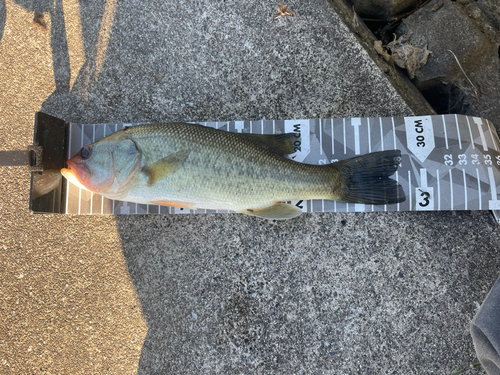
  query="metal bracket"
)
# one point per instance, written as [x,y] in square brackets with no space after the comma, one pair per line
[45,158]
[35,158]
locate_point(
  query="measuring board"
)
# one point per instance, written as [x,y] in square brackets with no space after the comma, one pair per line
[448,162]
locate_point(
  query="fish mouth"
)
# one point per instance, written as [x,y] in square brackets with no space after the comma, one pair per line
[77,173]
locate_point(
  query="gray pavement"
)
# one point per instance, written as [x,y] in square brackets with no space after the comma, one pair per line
[324,293]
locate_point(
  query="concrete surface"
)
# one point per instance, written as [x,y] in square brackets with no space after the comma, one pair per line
[339,294]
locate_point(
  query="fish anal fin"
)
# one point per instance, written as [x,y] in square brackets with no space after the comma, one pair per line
[178,204]
[282,144]
[280,211]
[168,165]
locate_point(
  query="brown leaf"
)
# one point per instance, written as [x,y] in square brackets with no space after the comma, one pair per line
[381,51]
[408,56]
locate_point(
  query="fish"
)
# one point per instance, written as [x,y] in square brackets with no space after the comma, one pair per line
[196,167]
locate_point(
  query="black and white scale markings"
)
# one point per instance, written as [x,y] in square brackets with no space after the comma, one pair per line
[448,162]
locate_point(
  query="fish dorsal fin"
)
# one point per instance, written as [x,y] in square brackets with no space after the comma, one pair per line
[282,144]
[168,165]
[280,211]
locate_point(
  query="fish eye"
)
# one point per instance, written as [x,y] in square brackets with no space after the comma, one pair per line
[85,153]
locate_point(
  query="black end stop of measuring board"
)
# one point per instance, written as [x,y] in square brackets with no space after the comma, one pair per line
[47,157]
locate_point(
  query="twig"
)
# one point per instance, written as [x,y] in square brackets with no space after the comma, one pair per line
[471,367]
[463,71]
[355,19]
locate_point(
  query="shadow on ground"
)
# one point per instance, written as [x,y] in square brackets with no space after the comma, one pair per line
[360,293]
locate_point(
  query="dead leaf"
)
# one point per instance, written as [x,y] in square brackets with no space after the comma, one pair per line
[408,56]
[381,51]
[355,19]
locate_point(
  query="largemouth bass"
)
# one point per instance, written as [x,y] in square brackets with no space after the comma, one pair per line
[193,166]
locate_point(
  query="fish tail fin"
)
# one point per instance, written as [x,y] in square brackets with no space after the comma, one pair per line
[365,179]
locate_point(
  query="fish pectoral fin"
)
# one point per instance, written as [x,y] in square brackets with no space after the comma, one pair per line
[168,165]
[280,211]
[282,144]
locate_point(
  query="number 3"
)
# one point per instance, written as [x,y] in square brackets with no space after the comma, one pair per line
[426,196]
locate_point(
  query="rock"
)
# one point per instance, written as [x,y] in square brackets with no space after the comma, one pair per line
[465,69]
[382,9]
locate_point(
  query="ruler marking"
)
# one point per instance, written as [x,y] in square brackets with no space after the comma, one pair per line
[465,188]
[69,148]
[409,189]
[79,200]
[274,127]
[445,133]
[333,142]
[334,202]
[91,202]
[429,191]
[370,149]
[320,139]
[251,130]
[238,126]
[394,133]
[458,132]
[322,205]
[102,197]
[369,138]
[113,201]
[491,135]
[470,132]
[92,193]
[397,181]
[493,204]
[80,189]
[381,135]
[493,185]
[356,123]
[69,152]
[345,144]
[479,189]
[438,189]
[423,177]
[451,189]
[481,133]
